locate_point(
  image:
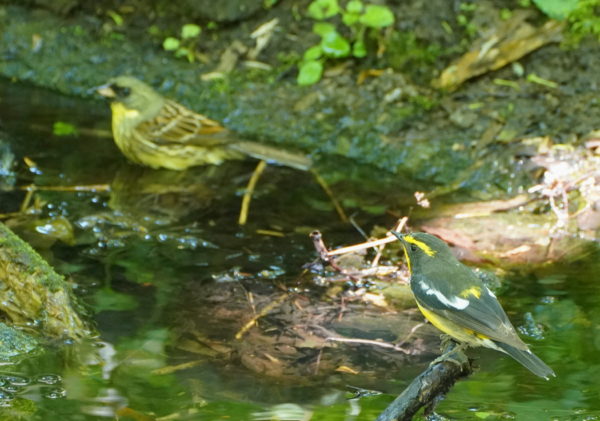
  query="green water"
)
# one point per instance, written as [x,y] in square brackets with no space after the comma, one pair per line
[156,258]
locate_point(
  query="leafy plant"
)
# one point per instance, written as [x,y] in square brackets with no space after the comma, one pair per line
[358,17]
[557,9]
[464,19]
[184,46]
[585,19]
[583,16]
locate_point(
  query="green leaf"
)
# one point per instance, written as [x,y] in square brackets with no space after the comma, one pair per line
[556,9]
[171,44]
[323,9]
[350,19]
[115,17]
[313,53]
[359,49]
[310,72]
[190,30]
[182,52]
[335,45]
[323,28]
[107,299]
[60,128]
[267,4]
[154,30]
[377,16]
[354,6]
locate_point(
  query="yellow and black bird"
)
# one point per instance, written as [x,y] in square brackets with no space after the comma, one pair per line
[157,132]
[453,298]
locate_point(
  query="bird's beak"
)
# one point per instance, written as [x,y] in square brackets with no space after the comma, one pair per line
[399,236]
[105,90]
[404,244]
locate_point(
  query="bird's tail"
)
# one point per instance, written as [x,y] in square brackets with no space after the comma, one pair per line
[273,154]
[528,359]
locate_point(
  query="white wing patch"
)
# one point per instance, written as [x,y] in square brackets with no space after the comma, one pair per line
[454,302]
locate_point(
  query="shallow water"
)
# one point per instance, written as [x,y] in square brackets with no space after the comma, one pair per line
[165,270]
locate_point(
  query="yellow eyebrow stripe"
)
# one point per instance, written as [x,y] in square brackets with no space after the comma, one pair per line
[426,249]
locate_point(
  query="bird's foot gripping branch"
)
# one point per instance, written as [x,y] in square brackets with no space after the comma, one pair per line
[427,389]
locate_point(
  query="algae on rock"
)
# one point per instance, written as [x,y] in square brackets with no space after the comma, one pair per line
[33,294]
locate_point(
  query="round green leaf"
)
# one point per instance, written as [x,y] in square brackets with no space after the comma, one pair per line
[190,30]
[170,44]
[313,53]
[354,6]
[310,72]
[323,9]
[377,16]
[323,28]
[556,9]
[335,45]
[350,19]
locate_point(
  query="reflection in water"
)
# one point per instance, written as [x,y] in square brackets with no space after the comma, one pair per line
[164,195]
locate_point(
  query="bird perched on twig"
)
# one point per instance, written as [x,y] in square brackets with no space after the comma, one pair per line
[160,133]
[453,298]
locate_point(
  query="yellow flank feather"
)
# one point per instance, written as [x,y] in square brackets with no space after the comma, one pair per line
[457,332]
[426,249]
[474,291]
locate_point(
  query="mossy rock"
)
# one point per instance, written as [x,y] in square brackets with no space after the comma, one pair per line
[14,343]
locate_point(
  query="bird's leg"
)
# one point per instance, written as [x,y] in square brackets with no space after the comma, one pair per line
[452,352]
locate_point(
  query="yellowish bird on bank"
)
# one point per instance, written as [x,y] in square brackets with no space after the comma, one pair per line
[157,132]
[453,298]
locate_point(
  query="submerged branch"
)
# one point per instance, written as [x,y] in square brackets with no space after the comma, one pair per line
[426,390]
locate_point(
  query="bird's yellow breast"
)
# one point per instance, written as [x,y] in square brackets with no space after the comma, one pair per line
[457,332]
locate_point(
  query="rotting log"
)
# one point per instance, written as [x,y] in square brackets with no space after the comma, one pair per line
[32,294]
[427,389]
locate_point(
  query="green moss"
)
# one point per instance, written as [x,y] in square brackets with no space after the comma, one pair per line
[20,253]
[584,20]
[406,53]
[33,293]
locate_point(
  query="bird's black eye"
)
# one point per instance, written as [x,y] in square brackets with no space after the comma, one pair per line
[413,247]
[120,91]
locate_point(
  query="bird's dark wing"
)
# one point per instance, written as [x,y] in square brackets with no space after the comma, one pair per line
[177,125]
[467,303]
